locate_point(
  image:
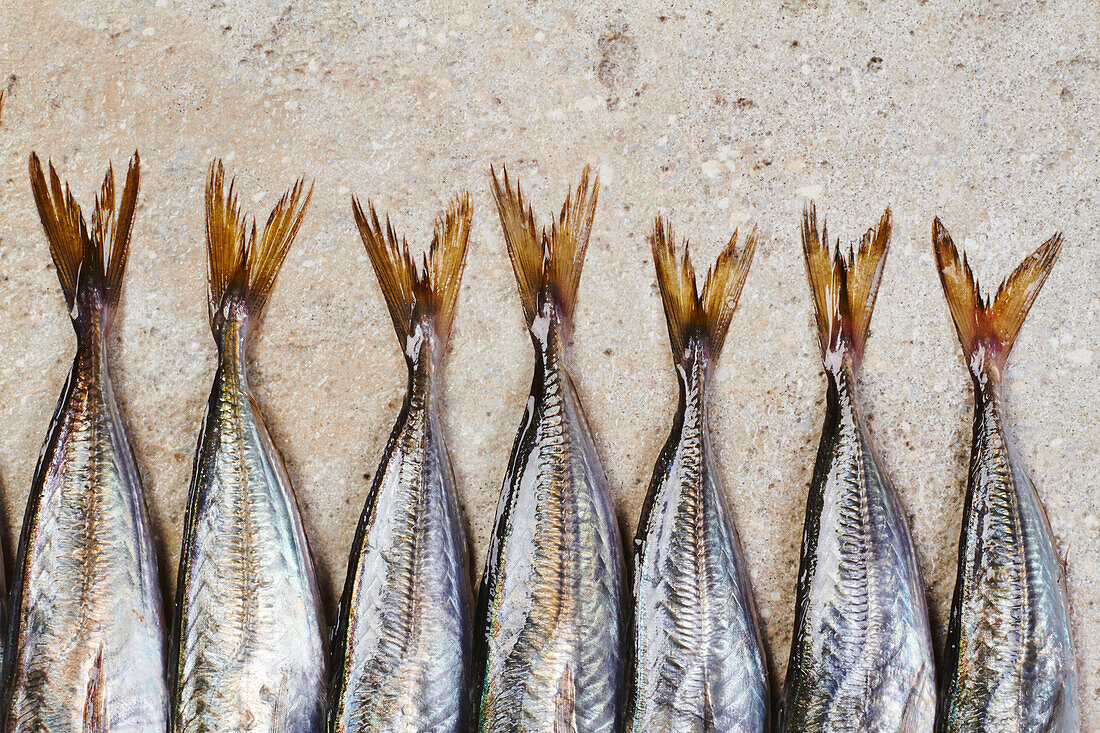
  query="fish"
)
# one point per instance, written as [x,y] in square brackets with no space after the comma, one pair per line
[1009,665]
[404,639]
[551,606]
[697,662]
[861,651]
[86,643]
[249,649]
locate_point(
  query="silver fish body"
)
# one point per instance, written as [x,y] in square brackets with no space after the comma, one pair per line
[87,639]
[404,640]
[85,646]
[861,657]
[552,596]
[698,663]
[249,647]
[1010,656]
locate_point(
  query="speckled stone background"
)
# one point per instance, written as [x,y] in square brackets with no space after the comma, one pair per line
[722,117]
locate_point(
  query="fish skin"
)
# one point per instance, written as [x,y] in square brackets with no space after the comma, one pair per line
[248,651]
[861,653]
[1010,611]
[692,591]
[1009,665]
[553,588]
[86,644]
[403,644]
[861,658]
[405,634]
[551,617]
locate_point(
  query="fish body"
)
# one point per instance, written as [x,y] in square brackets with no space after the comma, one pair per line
[248,646]
[86,646]
[551,608]
[403,644]
[697,660]
[861,654]
[1010,664]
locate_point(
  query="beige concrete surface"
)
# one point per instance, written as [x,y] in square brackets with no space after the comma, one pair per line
[721,115]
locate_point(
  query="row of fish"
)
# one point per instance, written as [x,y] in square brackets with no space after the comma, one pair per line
[558,639]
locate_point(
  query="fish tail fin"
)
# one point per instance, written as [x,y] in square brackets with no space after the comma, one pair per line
[844,285]
[242,268]
[90,261]
[547,263]
[987,327]
[415,289]
[688,313]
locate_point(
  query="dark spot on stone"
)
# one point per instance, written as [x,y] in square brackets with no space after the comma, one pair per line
[794,44]
[615,68]
[874,64]
[366,476]
[745,103]
[662,18]
[608,352]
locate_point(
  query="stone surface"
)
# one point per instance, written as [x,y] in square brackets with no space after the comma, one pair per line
[982,113]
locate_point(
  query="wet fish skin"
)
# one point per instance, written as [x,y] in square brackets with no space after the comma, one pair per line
[861,654]
[403,645]
[86,645]
[698,662]
[1010,663]
[551,607]
[248,649]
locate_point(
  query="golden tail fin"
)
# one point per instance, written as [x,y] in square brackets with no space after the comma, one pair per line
[427,288]
[987,329]
[78,251]
[688,313]
[242,268]
[844,285]
[547,263]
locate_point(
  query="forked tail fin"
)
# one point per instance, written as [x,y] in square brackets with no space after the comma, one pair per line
[91,261]
[987,328]
[425,288]
[242,268]
[547,262]
[844,285]
[689,313]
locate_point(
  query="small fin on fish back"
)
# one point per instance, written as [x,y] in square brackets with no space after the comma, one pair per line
[242,268]
[95,700]
[987,327]
[689,313]
[90,261]
[547,262]
[844,284]
[418,288]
